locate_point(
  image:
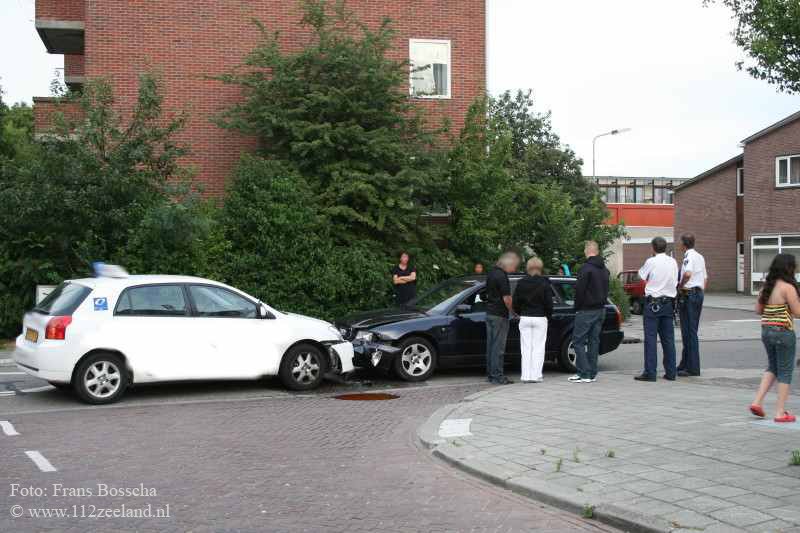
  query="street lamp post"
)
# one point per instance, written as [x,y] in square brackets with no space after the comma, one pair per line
[594,141]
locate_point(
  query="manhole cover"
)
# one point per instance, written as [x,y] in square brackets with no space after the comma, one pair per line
[366,396]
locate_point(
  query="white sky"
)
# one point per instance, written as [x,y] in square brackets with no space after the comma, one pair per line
[663,68]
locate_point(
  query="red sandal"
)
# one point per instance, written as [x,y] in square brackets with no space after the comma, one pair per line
[757,410]
[787,417]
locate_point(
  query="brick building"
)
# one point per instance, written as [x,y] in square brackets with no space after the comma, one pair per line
[744,211]
[644,206]
[188,41]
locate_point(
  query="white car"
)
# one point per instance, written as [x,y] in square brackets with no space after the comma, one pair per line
[100,335]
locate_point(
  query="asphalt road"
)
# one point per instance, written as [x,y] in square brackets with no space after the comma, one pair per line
[253,457]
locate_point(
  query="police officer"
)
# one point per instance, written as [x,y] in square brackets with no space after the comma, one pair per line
[692,281]
[661,274]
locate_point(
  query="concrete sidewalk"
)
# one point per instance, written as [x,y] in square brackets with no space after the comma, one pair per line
[665,456]
[724,300]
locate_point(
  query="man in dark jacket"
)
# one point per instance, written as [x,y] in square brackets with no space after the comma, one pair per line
[591,295]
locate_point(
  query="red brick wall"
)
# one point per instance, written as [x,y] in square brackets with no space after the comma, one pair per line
[768,209]
[188,41]
[45,108]
[634,255]
[63,10]
[708,209]
[73,65]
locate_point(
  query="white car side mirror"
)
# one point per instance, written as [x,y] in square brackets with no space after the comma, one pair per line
[263,312]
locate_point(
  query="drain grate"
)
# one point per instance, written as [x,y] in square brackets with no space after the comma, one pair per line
[366,396]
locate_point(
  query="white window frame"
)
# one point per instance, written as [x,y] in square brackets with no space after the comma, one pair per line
[788,159]
[449,94]
[740,181]
[756,277]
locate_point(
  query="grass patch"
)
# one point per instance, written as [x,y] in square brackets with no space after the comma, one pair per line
[795,459]
[611,454]
[588,511]
[558,464]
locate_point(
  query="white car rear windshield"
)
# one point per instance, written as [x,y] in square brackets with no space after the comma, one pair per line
[64,300]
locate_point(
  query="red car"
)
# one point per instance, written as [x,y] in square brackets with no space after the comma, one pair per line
[634,288]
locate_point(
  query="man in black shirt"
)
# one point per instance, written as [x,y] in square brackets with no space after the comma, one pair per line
[404,278]
[498,309]
[591,296]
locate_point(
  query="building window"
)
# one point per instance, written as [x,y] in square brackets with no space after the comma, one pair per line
[787,171]
[740,181]
[430,68]
[764,250]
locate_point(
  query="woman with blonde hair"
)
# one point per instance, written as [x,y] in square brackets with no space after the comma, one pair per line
[533,302]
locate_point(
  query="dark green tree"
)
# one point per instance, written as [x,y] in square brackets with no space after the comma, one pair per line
[336,114]
[513,185]
[87,188]
[282,248]
[769,32]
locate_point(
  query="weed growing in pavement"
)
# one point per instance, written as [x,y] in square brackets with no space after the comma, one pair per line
[795,460]
[611,454]
[575,455]
[543,451]
[588,511]
[558,464]
[456,444]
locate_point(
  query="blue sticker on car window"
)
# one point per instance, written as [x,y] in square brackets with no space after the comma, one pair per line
[101,304]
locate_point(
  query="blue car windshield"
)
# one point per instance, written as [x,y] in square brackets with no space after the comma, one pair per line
[438,299]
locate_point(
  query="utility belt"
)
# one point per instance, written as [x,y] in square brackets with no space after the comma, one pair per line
[655,303]
[693,289]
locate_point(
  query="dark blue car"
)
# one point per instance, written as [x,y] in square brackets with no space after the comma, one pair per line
[445,328]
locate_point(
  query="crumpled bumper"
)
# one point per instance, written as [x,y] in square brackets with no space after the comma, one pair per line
[374,355]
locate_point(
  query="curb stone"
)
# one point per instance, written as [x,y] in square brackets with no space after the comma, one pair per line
[428,433]
[559,497]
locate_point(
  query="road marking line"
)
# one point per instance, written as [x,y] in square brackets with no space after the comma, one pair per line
[12,373]
[40,461]
[7,393]
[8,428]
[6,361]
[455,427]
[38,389]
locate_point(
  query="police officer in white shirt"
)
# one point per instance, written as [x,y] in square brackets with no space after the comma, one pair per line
[692,283]
[661,274]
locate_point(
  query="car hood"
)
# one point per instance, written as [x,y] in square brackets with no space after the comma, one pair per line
[379,317]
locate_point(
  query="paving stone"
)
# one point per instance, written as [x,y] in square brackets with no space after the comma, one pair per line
[704,504]
[671,494]
[741,516]
[722,491]
[687,519]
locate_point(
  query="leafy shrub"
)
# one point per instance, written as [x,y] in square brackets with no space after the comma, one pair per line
[616,293]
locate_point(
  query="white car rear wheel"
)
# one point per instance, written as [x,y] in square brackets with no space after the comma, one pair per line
[101,378]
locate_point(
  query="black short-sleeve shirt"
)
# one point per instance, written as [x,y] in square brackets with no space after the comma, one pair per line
[497,286]
[404,292]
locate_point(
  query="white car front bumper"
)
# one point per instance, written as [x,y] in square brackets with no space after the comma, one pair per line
[344,350]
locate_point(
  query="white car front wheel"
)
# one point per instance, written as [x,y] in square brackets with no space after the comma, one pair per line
[303,367]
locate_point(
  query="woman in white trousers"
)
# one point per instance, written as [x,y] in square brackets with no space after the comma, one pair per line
[533,302]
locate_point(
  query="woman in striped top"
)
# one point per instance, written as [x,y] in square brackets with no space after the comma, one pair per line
[778,304]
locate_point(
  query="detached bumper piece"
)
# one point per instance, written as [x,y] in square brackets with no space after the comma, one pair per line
[373,355]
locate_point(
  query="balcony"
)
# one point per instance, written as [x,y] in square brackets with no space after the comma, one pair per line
[60,24]
[74,76]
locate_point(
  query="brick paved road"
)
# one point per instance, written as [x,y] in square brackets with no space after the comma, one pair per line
[281,464]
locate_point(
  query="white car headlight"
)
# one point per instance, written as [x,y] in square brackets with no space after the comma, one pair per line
[365,335]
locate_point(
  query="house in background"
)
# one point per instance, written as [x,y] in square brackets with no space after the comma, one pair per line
[645,206]
[188,42]
[746,210]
